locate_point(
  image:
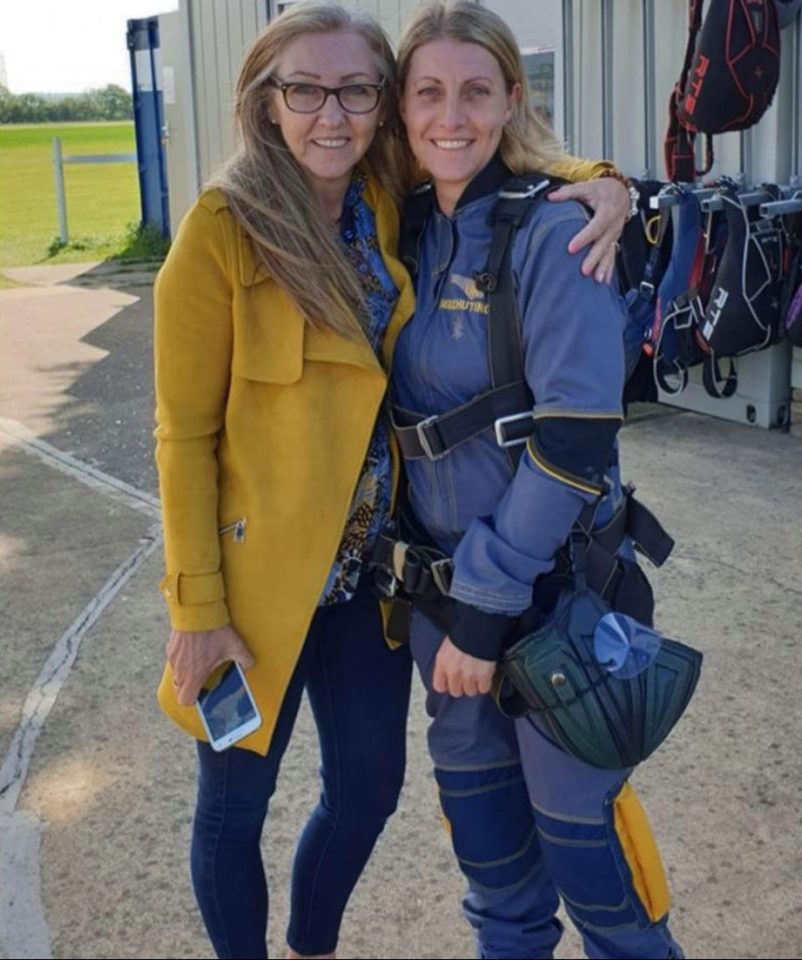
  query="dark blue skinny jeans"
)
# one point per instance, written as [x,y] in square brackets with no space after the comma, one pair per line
[359,693]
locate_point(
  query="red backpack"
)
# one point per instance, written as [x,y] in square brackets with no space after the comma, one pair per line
[730,74]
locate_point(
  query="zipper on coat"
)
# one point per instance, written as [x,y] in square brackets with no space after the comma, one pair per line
[237,528]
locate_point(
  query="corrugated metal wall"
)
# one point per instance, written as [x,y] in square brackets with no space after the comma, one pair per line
[221,33]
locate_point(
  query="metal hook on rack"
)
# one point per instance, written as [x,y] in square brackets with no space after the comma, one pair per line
[749,198]
[704,193]
[668,197]
[755,197]
[780,208]
[712,203]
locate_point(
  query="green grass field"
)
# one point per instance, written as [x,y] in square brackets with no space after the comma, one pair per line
[102,199]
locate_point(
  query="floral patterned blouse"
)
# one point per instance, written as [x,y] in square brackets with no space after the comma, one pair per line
[371,503]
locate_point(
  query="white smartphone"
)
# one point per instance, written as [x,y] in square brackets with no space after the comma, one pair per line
[227,708]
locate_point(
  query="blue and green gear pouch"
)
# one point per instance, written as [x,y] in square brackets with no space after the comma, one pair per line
[605,688]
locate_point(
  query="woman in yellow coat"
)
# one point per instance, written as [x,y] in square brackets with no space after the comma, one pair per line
[276,315]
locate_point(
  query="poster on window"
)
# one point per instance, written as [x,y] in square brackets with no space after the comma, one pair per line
[539,66]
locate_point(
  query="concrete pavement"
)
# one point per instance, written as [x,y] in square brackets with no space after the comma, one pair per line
[96,787]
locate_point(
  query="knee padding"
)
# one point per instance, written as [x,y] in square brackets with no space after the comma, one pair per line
[492,826]
[607,871]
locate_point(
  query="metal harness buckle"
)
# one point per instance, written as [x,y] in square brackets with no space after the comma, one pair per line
[531,190]
[500,423]
[423,439]
[442,571]
[386,582]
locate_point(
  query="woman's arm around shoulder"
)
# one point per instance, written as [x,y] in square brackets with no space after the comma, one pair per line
[600,186]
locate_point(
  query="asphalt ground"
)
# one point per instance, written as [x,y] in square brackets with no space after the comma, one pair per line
[96,786]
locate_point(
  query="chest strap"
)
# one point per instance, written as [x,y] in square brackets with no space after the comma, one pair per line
[432,437]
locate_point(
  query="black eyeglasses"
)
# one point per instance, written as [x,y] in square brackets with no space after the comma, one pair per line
[310,97]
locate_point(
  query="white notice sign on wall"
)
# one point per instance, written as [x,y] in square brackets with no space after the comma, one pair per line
[168,84]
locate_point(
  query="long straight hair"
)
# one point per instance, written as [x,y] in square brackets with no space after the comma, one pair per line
[269,193]
[527,141]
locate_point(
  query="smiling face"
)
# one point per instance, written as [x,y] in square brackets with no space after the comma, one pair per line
[455,103]
[329,142]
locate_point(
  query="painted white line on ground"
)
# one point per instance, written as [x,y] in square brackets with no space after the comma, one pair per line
[55,671]
[23,929]
[21,436]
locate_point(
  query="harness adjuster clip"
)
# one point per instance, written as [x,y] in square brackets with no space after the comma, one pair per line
[530,190]
[500,424]
[646,289]
[386,582]
[485,281]
[425,441]
[442,572]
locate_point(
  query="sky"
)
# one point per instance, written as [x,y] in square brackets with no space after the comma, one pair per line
[68,46]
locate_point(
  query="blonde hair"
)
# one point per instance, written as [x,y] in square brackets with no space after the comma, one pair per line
[527,141]
[268,191]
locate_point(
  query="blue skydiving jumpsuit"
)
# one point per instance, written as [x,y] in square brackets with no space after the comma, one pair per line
[528,823]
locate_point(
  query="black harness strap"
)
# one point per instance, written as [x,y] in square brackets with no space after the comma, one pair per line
[516,203]
[417,207]
[410,570]
[434,437]
[715,383]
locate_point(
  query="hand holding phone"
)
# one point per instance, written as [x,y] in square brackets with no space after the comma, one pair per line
[227,708]
[194,655]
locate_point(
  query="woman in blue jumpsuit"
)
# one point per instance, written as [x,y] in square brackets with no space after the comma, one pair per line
[529,824]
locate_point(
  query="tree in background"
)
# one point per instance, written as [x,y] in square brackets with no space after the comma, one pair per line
[111,102]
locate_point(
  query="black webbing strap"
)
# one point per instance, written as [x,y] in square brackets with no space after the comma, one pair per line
[418,574]
[596,550]
[516,202]
[416,568]
[421,437]
[646,531]
[417,207]
[715,383]
[412,574]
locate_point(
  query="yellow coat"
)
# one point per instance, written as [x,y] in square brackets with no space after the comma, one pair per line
[264,420]
[263,427]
